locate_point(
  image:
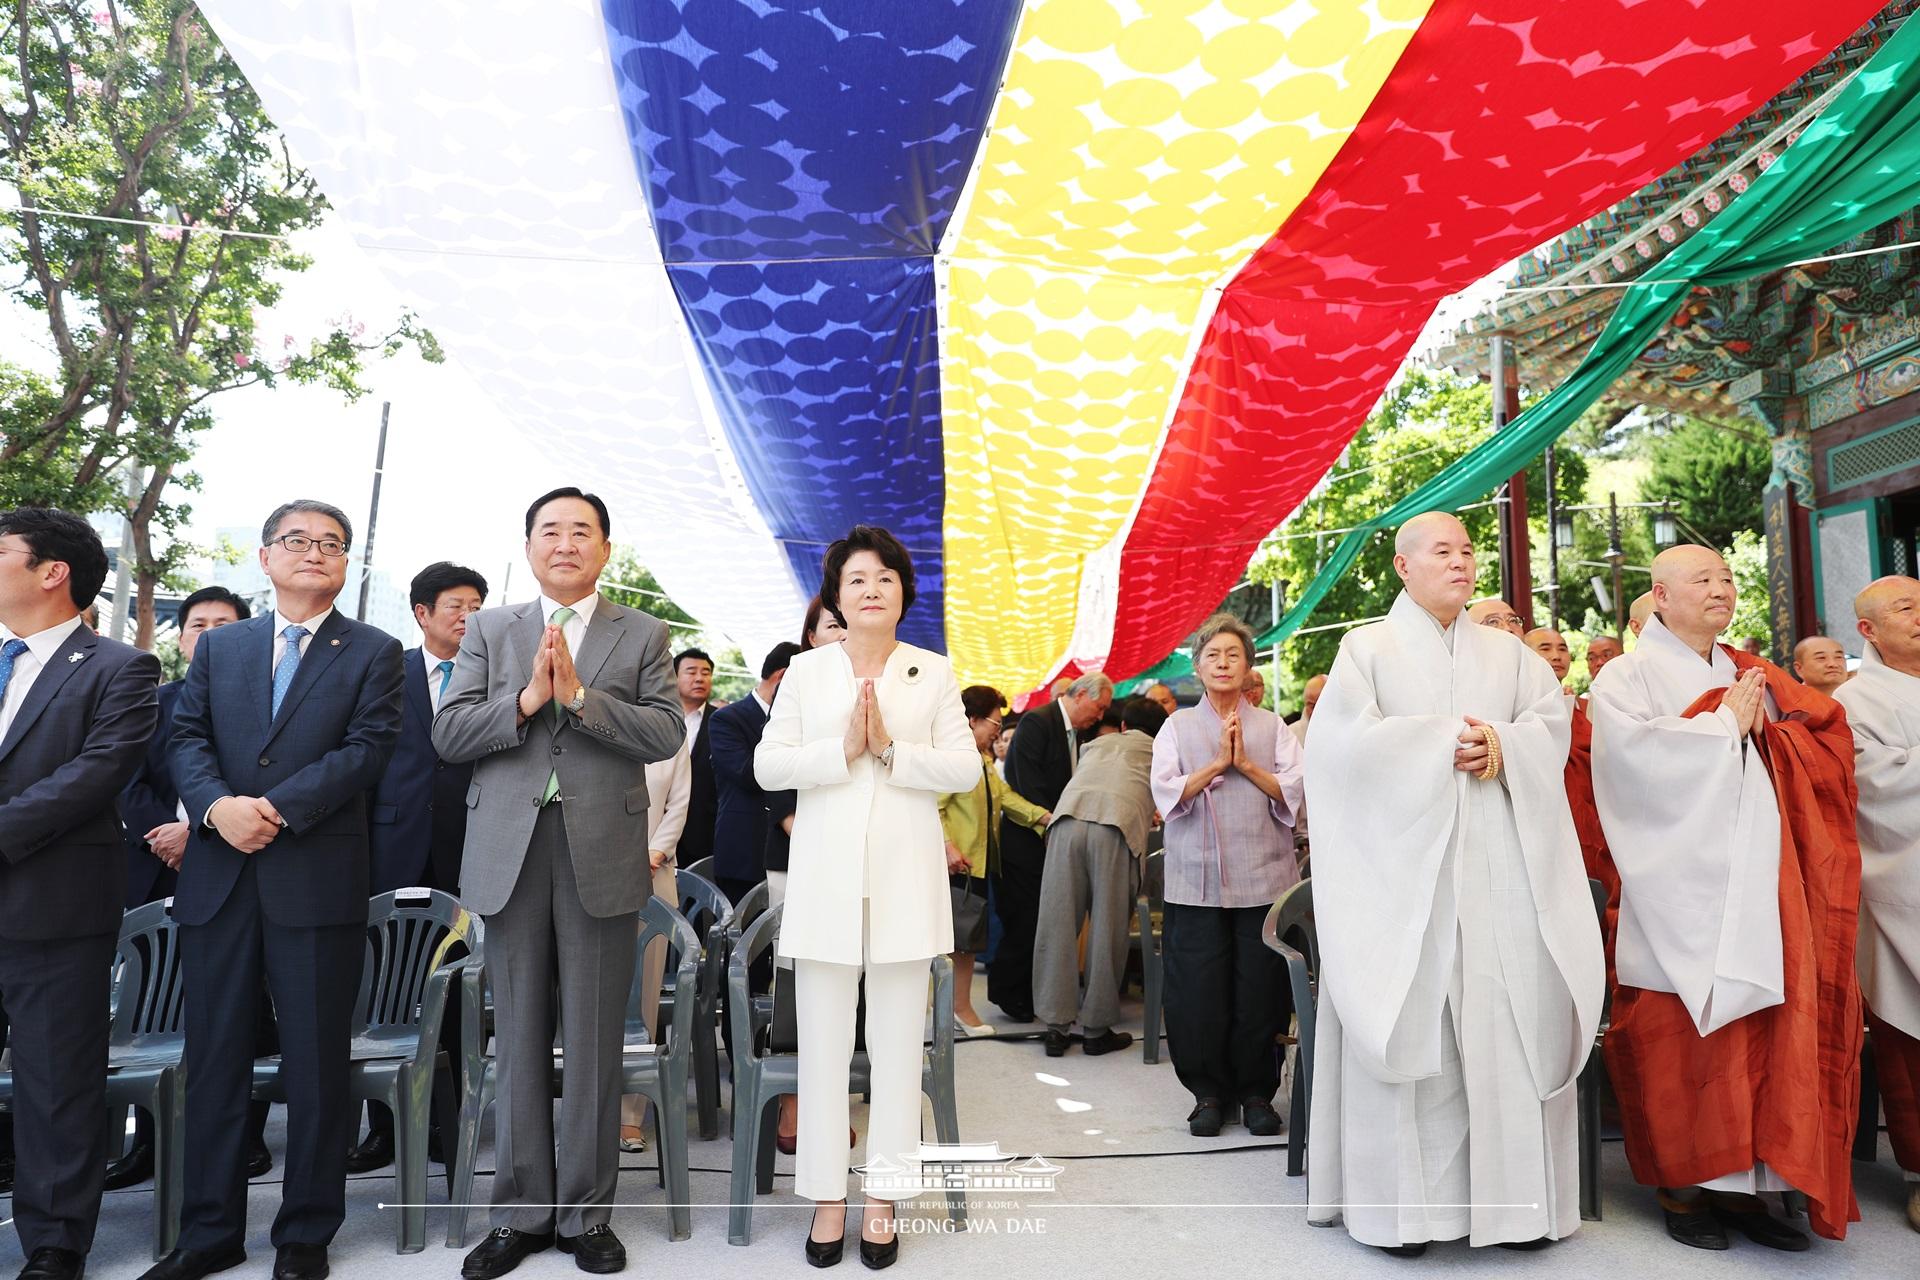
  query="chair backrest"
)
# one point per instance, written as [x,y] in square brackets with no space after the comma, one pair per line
[410,933]
[701,902]
[746,949]
[658,920]
[1291,920]
[702,867]
[748,909]
[1153,879]
[148,987]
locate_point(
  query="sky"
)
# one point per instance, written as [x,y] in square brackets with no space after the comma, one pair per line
[458,474]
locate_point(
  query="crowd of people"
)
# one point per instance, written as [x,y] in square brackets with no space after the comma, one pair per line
[551,763]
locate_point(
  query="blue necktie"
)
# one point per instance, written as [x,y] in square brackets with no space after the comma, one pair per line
[289,664]
[446,677]
[8,652]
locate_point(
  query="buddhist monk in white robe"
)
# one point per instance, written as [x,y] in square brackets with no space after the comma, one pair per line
[1460,958]
[1883,706]
[1724,789]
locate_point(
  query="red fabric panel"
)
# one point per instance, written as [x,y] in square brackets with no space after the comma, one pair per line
[1504,122]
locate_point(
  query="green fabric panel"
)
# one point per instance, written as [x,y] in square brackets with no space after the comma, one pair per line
[1855,167]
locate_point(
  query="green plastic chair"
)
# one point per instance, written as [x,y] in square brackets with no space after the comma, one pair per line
[710,913]
[1289,931]
[1147,939]
[404,988]
[760,1079]
[648,1067]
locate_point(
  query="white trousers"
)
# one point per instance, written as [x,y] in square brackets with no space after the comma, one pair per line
[826,998]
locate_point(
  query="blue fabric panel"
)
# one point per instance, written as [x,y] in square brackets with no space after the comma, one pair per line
[782,129]
[827,376]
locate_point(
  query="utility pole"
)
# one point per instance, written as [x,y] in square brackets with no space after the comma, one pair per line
[1616,557]
[1553,541]
[123,568]
[373,512]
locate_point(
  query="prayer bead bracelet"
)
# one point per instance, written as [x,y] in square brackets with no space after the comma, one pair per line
[1492,768]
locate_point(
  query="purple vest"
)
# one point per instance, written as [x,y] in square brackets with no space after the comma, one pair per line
[1229,848]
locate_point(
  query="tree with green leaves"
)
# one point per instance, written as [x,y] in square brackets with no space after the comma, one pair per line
[1428,419]
[156,199]
[632,584]
[1715,473]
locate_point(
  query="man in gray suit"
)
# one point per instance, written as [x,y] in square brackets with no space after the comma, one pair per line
[556,861]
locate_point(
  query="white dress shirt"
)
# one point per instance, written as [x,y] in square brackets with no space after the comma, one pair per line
[693,719]
[433,677]
[41,648]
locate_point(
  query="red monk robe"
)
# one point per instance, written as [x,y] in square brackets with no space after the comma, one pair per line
[1586,823]
[1782,1085]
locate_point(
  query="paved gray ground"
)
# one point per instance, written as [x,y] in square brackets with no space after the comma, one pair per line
[1136,1192]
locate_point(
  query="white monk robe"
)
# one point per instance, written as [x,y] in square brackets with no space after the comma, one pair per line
[1462,971]
[1694,829]
[1883,707]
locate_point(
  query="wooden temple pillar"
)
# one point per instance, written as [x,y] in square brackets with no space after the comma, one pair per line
[1766,396]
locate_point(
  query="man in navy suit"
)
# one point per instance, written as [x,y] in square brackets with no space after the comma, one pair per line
[420,806]
[285,725]
[156,832]
[693,680]
[76,711]
[740,819]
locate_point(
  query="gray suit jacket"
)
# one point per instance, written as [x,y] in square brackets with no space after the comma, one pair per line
[631,718]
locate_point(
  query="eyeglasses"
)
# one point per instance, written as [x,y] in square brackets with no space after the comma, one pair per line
[1502,620]
[300,544]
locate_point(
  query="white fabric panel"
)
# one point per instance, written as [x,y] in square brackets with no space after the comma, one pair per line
[477,150]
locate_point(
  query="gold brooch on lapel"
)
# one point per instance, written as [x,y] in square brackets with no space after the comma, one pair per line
[912,676]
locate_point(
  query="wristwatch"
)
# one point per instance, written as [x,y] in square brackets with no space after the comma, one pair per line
[886,757]
[579,699]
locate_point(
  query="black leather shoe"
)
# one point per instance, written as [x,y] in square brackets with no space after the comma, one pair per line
[259,1162]
[826,1253]
[1526,1246]
[1262,1120]
[1056,1042]
[596,1250]
[54,1264]
[1403,1250]
[6,1175]
[1016,1015]
[502,1251]
[191,1264]
[1205,1119]
[300,1262]
[131,1169]
[1107,1042]
[1698,1230]
[1762,1227]
[375,1153]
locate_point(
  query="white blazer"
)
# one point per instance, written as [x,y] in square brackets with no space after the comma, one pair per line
[864,825]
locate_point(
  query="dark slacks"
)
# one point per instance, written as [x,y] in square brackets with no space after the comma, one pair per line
[313,975]
[55,995]
[1226,1000]
[551,961]
[1016,902]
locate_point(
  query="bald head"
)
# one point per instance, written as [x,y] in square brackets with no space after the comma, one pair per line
[1552,646]
[1433,556]
[1693,593]
[1889,615]
[1498,613]
[1639,611]
[1164,696]
[1600,651]
[1310,695]
[1820,663]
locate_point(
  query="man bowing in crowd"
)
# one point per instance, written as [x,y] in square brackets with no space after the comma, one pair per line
[76,710]
[1462,964]
[285,724]
[1883,704]
[1726,792]
[561,703]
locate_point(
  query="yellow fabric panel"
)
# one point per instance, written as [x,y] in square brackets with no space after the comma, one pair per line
[1139,150]
[1055,386]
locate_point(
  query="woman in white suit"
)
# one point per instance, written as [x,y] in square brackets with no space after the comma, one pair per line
[869,732]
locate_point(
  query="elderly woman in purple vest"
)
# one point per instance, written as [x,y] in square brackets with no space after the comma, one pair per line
[1227,778]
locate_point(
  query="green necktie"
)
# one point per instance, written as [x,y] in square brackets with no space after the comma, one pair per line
[561,617]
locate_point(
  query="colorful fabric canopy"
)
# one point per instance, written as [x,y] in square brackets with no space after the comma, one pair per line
[1855,167]
[1079,297]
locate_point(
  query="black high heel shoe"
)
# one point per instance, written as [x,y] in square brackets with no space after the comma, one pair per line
[825,1253]
[878,1256]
